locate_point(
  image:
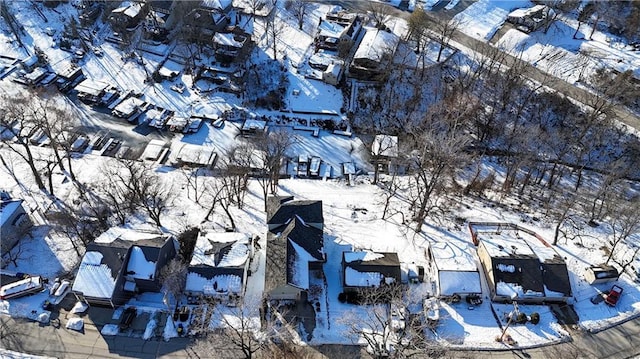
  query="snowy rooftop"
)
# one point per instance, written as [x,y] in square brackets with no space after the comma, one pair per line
[219,284]
[94,279]
[454,281]
[504,241]
[127,234]
[7,209]
[129,105]
[365,256]
[215,4]
[92,87]
[449,256]
[375,44]
[205,250]
[139,266]
[354,278]
[229,39]
[193,154]
[330,29]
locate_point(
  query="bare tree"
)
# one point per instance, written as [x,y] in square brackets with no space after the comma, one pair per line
[18,121]
[233,330]
[174,277]
[274,29]
[272,146]
[625,223]
[379,13]
[385,325]
[220,192]
[300,8]
[584,15]
[131,186]
[443,30]
[436,156]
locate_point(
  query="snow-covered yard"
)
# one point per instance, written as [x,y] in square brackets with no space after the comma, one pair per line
[352,212]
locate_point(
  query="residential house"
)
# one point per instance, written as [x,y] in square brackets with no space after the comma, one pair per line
[295,247]
[96,92]
[337,27]
[121,263]
[454,268]
[230,47]
[69,76]
[158,21]
[128,14]
[233,44]
[187,154]
[373,54]
[14,222]
[220,266]
[201,23]
[253,127]
[364,270]
[520,265]
[531,19]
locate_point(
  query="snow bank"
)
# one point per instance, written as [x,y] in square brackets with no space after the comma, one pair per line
[109,329]
[149,330]
[10,354]
[75,324]
[80,307]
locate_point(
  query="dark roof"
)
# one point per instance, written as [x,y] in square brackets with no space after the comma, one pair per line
[210,272]
[527,273]
[113,253]
[389,264]
[308,237]
[280,252]
[280,213]
[276,263]
[556,278]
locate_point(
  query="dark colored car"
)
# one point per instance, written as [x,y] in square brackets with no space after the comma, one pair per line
[614,295]
[127,317]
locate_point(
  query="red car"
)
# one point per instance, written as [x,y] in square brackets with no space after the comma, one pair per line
[614,295]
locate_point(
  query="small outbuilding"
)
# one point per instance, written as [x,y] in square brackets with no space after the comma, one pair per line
[601,274]
[369,270]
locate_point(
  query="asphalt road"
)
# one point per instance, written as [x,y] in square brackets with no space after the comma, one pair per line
[55,340]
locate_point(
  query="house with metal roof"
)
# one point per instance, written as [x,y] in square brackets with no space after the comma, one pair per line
[519,264]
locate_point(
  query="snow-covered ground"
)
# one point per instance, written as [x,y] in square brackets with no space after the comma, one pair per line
[483,18]
[573,60]
[352,212]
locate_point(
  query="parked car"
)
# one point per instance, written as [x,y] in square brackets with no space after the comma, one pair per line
[614,295]
[127,318]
